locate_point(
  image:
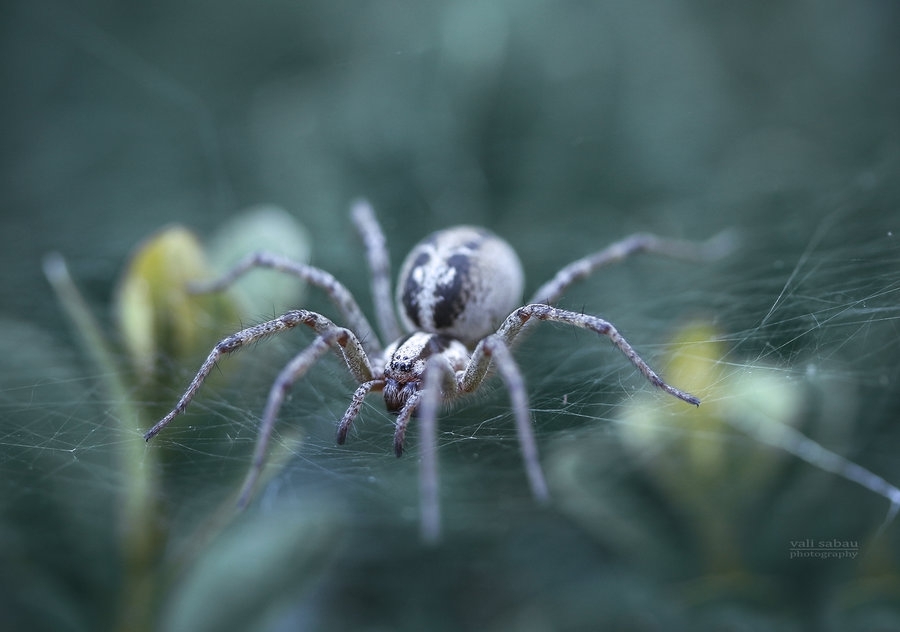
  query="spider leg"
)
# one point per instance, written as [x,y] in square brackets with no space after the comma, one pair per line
[496,348]
[439,375]
[402,422]
[714,248]
[353,353]
[355,405]
[379,263]
[336,291]
[293,371]
[516,322]
[447,386]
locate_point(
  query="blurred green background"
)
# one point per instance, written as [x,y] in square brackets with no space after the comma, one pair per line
[559,125]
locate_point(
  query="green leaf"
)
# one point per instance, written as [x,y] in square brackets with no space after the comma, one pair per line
[156,313]
[254,569]
[274,230]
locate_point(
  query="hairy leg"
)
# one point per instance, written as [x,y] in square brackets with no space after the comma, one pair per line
[293,371]
[495,348]
[355,405]
[516,322]
[380,267]
[710,250]
[349,309]
[349,346]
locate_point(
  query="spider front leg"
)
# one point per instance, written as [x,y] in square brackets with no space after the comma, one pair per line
[439,375]
[349,346]
[446,388]
[495,348]
[516,322]
[355,406]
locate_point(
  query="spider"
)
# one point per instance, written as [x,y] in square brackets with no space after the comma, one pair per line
[458,298]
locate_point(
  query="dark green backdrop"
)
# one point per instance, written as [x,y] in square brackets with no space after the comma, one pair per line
[560,125]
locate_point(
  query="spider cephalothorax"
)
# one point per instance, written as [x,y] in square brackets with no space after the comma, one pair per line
[406,361]
[458,296]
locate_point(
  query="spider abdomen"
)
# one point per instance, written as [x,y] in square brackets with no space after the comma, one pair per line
[460,282]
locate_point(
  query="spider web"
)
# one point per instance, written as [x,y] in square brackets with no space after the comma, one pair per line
[651,498]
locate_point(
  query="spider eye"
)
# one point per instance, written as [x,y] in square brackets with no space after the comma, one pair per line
[400,367]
